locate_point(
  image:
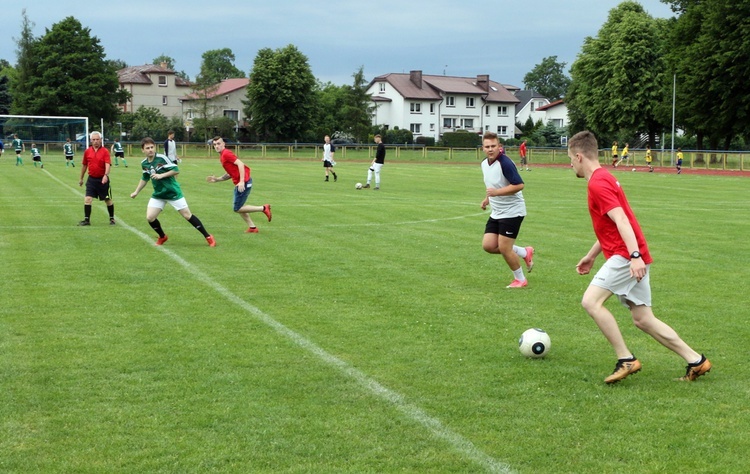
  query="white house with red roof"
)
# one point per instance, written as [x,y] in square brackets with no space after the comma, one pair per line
[432,105]
[223,100]
[555,113]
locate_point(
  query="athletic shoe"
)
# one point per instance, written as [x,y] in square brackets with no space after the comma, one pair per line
[529,258]
[267,211]
[161,240]
[624,368]
[366,186]
[377,187]
[211,241]
[696,370]
[112,221]
[251,230]
[84,222]
[518,284]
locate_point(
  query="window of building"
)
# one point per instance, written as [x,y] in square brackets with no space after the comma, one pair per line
[557,123]
[449,122]
[162,81]
[487,110]
[450,101]
[467,123]
[470,102]
[533,106]
[415,128]
[502,110]
[432,108]
[432,127]
[382,86]
[190,113]
[502,130]
[232,114]
[415,107]
[164,100]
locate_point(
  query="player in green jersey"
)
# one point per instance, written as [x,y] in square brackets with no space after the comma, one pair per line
[36,156]
[161,171]
[69,153]
[19,147]
[119,152]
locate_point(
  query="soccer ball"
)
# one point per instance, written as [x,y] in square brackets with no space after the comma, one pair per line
[358,185]
[633,169]
[534,343]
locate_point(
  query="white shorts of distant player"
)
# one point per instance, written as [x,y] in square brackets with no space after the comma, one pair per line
[375,168]
[178,204]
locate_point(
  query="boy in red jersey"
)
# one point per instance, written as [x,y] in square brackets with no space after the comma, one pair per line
[243,184]
[625,272]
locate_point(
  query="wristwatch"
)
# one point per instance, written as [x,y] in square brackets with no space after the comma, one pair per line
[635,254]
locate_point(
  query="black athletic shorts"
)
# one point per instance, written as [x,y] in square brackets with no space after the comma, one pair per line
[95,188]
[509,227]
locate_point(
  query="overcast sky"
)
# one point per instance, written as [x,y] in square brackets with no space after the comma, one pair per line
[502,38]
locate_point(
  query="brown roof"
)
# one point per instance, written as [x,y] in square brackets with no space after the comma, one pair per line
[140,74]
[434,87]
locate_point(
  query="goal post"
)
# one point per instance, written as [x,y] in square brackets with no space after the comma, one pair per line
[47,131]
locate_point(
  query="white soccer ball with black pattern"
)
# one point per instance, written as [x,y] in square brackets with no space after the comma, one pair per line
[534,343]
[358,186]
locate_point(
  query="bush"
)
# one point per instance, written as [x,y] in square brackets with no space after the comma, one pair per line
[426,141]
[461,139]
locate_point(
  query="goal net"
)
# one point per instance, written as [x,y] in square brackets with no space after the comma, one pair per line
[47,132]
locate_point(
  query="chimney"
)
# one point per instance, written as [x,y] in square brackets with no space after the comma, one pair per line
[416,78]
[483,81]
[163,65]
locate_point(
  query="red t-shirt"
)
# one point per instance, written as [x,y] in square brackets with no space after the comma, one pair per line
[606,194]
[96,160]
[227,161]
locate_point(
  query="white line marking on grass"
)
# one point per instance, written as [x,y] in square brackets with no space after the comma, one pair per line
[411,411]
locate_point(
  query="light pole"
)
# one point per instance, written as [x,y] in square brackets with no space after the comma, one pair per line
[120,124]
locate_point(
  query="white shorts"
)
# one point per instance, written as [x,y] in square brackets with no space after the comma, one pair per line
[178,204]
[615,277]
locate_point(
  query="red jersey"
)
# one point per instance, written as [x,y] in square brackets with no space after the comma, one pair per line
[96,160]
[227,161]
[522,149]
[606,194]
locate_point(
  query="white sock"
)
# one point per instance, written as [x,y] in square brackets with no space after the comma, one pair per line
[518,274]
[520,251]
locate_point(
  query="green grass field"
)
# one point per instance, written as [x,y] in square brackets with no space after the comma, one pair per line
[359,331]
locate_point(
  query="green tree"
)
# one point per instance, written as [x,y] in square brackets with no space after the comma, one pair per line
[147,122]
[217,65]
[329,103]
[20,87]
[618,81]
[548,78]
[357,109]
[281,95]
[117,64]
[710,55]
[70,76]
[5,97]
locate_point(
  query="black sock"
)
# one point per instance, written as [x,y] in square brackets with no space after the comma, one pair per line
[87,211]
[111,210]
[198,225]
[334,176]
[156,225]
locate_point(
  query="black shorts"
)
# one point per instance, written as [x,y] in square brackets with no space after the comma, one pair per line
[509,227]
[95,188]
[119,154]
[69,157]
[327,164]
[36,158]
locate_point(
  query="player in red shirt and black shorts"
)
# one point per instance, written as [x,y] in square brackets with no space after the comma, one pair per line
[97,161]
[625,273]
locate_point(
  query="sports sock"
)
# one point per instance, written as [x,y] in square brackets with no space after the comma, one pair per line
[520,251]
[87,211]
[156,225]
[198,225]
[518,274]
[111,210]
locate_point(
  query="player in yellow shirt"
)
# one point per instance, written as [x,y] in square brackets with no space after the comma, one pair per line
[614,154]
[649,159]
[679,160]
[625,155]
